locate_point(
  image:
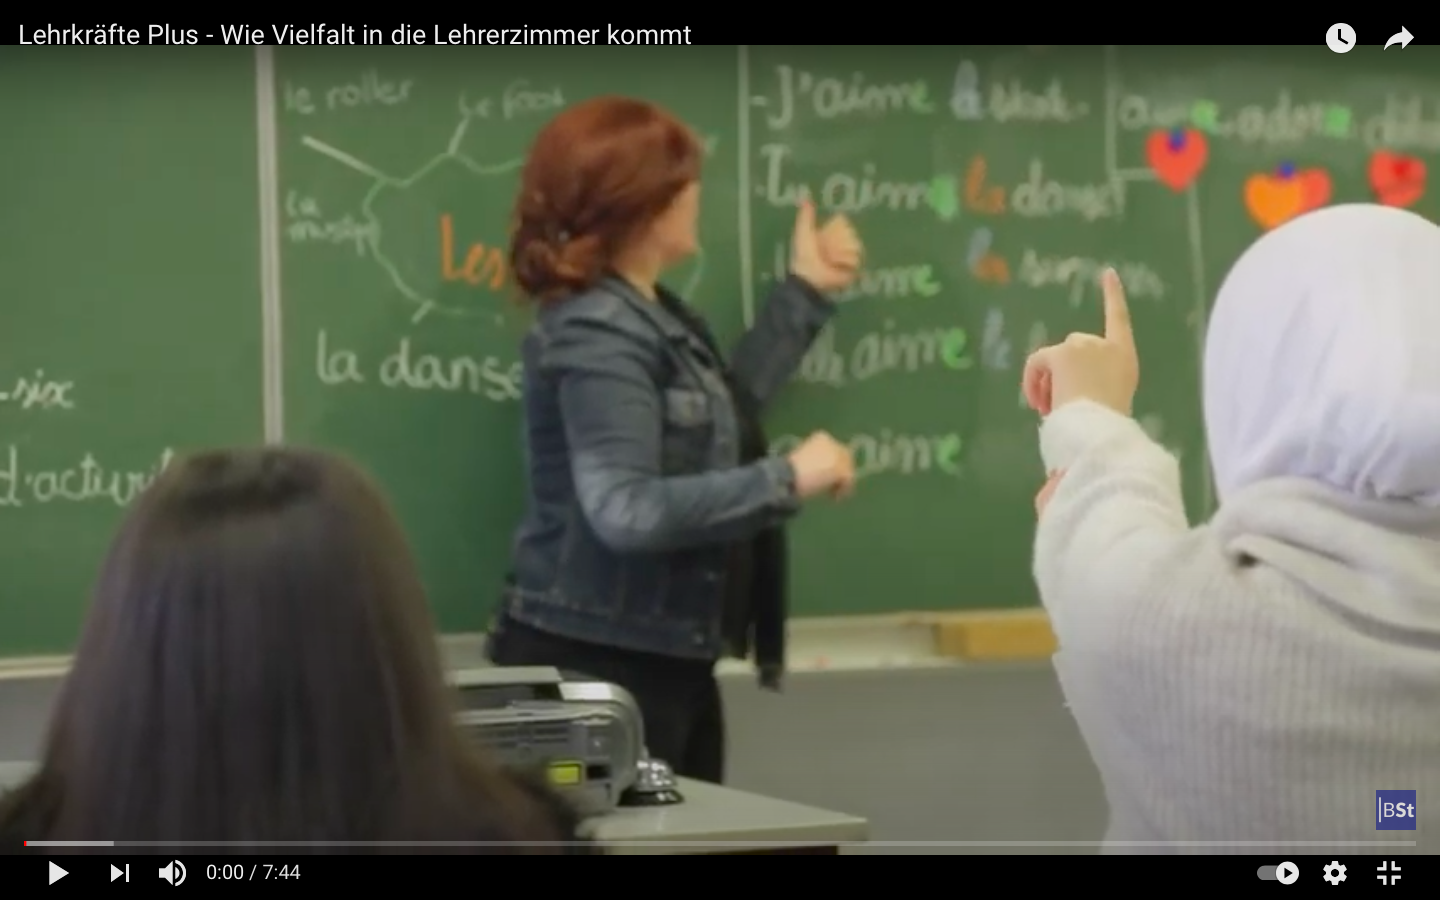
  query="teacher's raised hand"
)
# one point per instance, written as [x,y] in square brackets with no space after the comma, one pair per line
[828,256]
[1087,366]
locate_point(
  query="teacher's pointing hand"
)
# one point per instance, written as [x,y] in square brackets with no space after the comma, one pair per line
[1086,366]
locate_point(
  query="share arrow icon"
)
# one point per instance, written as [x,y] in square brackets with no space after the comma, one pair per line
[1403,39]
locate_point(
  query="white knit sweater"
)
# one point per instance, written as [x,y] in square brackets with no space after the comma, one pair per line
[1252,682]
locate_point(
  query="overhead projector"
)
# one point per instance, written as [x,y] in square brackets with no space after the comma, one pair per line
[586,736]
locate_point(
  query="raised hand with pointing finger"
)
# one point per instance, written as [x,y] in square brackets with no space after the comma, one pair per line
[1103,368]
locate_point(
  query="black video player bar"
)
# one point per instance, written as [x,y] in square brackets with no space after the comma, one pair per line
[405,867]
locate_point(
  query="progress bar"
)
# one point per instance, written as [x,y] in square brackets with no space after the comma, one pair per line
[719,844]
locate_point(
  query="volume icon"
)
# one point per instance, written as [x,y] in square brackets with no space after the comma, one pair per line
[173,872]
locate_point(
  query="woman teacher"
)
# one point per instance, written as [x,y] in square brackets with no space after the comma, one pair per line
[651,543]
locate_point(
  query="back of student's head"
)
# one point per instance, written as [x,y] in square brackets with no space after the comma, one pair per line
[259,665]
[1322,359]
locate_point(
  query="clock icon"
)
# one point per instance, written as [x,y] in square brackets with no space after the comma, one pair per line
[1340,38]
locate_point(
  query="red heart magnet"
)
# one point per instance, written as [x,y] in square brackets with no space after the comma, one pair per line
[1315,188]
[1397,179]
[1177,156]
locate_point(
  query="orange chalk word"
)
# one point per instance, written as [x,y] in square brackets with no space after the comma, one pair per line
[483,264]
[979,196]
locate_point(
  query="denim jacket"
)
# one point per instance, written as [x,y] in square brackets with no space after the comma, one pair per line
[635,491]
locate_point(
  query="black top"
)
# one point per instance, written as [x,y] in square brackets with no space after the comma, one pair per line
[756,605]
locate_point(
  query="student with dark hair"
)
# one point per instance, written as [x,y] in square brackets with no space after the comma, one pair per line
[652,542]
[259,665]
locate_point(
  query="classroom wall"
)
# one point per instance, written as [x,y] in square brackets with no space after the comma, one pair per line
[950,753]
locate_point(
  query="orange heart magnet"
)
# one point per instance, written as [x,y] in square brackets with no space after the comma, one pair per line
[1177,156]
[1274,199]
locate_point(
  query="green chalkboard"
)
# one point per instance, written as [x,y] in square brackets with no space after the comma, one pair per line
[372,188]
[990,184]
[129,251]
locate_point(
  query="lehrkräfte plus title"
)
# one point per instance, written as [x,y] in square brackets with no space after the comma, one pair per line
[308,35]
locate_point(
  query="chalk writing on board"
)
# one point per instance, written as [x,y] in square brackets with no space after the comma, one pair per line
[874,282]
[944,197]
[1404,125]
[306,224]
[1079,276]
[980,195]
[984,262]
[1010,100]
[1014,101]
[472,259]
[521,98]
[407,368]
[966,102]
[368,89]
[844,192]
[887,452]
[835,98]
[482,264]
[1283,121]
[86,480]
[37,391]
[892,283]
[1040,196]
[888,351]
[994,345]
[385,186]
[480,108]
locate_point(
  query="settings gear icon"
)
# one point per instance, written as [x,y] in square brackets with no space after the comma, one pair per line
[1335,873]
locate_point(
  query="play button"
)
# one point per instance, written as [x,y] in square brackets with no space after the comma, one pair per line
[56,873]
[1287,873]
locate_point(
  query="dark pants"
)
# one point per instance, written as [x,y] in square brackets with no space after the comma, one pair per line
[679,698]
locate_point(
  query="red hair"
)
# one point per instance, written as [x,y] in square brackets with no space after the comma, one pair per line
[596,174]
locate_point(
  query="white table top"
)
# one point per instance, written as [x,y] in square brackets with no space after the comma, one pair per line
[716,819]
[712,819]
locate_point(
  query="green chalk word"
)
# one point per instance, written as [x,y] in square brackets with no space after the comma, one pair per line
[887,351]
[944,197]
[1205,115]
[1338,121]
[955,349]
[888,452]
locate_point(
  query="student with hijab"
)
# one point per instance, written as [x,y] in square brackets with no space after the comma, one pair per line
[259,666]
[1259,679]
[652,543]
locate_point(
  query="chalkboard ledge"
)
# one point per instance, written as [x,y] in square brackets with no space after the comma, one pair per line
[914,641]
